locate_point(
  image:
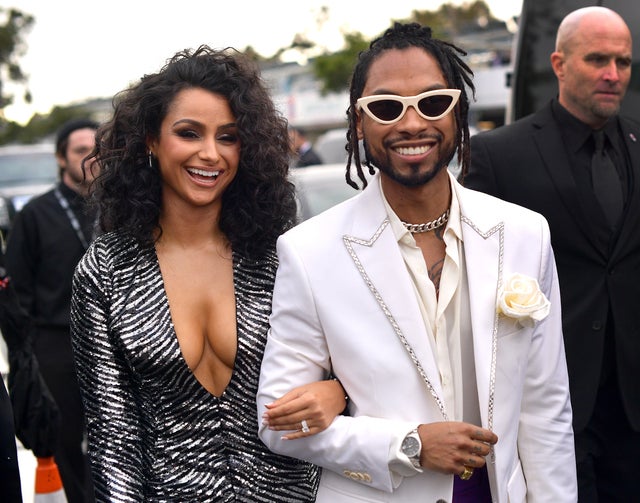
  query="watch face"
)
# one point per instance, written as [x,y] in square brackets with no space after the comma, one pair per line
[410,446]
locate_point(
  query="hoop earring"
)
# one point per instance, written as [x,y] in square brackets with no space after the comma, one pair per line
[150,159]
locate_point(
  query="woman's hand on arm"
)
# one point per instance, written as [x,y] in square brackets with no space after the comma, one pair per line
[317,404]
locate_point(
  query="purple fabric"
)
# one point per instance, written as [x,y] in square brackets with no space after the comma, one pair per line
[474,490]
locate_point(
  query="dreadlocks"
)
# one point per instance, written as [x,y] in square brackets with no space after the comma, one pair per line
[456,72]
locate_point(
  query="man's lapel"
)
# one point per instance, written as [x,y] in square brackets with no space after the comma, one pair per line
[483,239]
[627,238]
[375,253]
[583,207]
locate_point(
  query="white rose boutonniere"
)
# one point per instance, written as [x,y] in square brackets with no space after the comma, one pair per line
[520,298]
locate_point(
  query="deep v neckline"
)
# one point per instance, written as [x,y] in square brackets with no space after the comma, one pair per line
[176,341]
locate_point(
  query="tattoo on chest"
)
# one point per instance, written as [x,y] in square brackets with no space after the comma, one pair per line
[435,272]
[435,269]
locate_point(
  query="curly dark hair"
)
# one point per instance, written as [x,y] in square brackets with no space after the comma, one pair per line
[456,72]
[258,205]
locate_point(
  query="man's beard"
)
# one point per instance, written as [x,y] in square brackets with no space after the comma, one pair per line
[415,177]
[605,112]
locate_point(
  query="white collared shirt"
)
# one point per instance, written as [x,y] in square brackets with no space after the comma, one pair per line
[446,317]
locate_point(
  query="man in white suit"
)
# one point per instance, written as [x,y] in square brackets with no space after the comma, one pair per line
[435,306]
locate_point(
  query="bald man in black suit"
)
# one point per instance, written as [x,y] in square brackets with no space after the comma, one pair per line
[545,162]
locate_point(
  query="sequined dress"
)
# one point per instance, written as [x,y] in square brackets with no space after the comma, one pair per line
[155,434]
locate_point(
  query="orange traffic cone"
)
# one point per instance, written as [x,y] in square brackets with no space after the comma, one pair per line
[48,483]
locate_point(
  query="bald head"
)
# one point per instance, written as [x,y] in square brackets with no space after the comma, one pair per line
[592,63]
[581,22]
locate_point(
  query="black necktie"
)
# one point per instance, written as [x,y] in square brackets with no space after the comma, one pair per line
[605,179]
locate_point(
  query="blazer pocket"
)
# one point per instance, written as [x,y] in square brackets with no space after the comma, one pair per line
[508,326]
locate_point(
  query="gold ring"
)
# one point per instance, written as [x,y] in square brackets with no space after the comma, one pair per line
[466,474]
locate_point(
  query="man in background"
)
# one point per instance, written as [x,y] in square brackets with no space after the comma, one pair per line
[577,161]
[47,239]
[305,155]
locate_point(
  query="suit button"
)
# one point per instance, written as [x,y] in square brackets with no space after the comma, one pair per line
[596,325]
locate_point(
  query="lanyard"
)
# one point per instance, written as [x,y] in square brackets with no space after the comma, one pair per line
[72,217]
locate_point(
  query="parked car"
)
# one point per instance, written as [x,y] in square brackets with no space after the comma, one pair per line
[324,185]
[320,187]
[25,171]
[330,146]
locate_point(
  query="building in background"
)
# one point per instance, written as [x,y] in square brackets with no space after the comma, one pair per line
[297,93]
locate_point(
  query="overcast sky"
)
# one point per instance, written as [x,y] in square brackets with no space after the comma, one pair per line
[79,49]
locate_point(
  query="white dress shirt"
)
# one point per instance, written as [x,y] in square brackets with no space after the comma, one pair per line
[447,323]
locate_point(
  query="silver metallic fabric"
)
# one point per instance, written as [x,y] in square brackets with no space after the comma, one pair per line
[155,434]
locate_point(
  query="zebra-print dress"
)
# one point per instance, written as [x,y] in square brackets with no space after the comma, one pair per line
[155,434]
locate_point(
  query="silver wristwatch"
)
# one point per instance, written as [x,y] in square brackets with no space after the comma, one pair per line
[411,447]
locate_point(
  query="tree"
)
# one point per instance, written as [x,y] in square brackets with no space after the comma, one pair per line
[449,20]
[333,70]
[12,47]
[41,126]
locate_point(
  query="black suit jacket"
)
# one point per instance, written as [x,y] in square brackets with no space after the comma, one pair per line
[526,163]
[308,158]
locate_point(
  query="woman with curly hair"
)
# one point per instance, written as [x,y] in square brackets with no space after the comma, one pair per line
[171,302]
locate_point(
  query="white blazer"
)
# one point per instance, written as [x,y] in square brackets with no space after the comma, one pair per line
[343,302]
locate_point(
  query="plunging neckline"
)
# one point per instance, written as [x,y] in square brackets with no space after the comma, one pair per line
[176,340]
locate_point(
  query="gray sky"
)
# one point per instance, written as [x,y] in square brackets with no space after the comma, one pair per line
[79,49]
